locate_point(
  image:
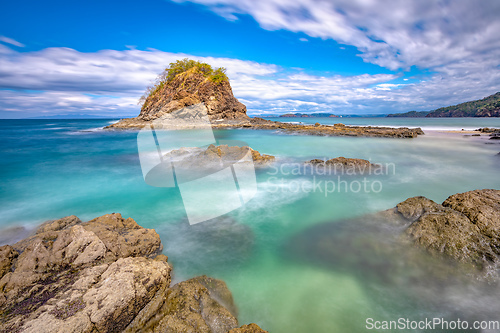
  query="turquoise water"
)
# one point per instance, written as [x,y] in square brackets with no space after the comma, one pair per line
[53,168]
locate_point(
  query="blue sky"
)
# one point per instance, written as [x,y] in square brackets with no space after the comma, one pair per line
[345,57]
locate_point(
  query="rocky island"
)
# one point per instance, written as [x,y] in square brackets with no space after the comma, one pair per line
[105,275]
[187,82]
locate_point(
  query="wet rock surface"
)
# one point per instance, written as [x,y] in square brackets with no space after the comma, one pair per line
[104,275]
[466,227]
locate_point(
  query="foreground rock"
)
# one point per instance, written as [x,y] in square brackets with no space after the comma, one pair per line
[105,275]
[466,227]
[342,165]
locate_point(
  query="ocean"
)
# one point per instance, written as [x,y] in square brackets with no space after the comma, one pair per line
[54,168]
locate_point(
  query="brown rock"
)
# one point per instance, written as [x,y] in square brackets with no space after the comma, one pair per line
[7,255]
[415,207]
[124,237]
[100,276]
[195,305]
[230,119]
[250,328]
[448,232]
[186,89]
[466,227]
[57,225]
[482,207]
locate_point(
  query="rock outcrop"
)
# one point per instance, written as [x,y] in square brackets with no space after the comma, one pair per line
[105,275]
[466,227]
[186,89]
[301,129]
[488,130]
[329,130]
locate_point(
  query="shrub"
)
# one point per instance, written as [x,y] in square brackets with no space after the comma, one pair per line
[217,75]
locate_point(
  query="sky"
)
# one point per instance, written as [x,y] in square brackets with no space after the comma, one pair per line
[338,56]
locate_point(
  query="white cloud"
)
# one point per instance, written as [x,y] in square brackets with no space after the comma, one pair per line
[109,82]
[303,39]
[392,34]
[11,41]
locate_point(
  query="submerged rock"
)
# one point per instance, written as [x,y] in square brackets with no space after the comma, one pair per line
[105,275]
[488,130]
[350,166]
[217,156]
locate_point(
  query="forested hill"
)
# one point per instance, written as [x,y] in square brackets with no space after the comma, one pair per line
[486,107]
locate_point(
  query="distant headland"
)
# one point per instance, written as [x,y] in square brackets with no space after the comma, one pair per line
[308,115]
[486,107]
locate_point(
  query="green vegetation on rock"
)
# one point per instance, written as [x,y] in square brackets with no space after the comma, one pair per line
[486,107]
[215,75]
[410,114]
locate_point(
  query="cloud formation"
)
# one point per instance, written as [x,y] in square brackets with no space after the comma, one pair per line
[110,82]
[10,41]
[392,34]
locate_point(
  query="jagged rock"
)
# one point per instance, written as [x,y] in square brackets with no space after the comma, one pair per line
[466,227]
[105,275]
[488,130]
[195,305]
[7,255]
[328,130]
[187,89]
[482,207]
[251,328]
[413,208]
